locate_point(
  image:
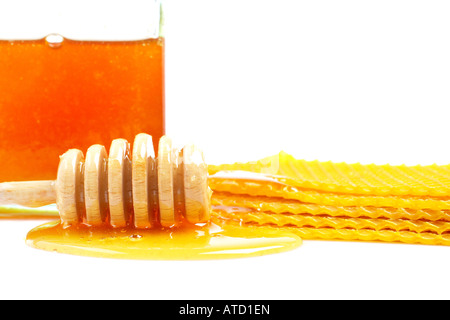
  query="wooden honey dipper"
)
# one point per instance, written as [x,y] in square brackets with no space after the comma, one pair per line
[143,191]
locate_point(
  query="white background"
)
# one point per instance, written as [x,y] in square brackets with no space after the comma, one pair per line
[355,81]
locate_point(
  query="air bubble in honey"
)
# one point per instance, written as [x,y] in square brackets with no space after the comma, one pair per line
[54,40]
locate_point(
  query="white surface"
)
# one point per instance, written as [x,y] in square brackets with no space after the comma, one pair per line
[317,270]
[356,81]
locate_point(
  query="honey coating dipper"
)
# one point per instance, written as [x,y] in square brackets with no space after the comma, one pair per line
[123,188]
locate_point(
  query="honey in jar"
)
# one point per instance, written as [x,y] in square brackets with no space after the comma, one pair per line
[56,92]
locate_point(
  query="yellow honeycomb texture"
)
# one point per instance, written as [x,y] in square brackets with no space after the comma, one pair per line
[336,201]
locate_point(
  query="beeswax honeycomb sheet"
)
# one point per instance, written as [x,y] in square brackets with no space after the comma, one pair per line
[337,201]
[382,180]
[404,236]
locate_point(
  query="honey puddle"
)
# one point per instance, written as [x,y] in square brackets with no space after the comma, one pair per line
[195,242]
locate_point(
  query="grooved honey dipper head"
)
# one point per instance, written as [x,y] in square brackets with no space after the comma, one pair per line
[133,188]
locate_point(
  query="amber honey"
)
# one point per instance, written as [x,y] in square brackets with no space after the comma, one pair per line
[187,242]
[74,93]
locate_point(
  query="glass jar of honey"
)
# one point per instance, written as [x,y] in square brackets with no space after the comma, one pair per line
[76,75]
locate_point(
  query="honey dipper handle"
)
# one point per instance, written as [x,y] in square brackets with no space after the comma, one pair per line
[27,193]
